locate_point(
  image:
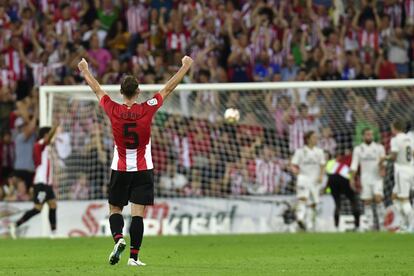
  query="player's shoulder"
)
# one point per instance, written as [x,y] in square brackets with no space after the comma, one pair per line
[319,150]
[379,145]
[154,101]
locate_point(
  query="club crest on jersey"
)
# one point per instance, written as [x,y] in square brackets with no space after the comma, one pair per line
[152,102]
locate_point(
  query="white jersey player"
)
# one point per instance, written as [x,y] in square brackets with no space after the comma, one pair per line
[402,155]
[368,156]
[308,164]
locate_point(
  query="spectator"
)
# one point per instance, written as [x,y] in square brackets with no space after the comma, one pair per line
[80,189]
[172,182]
[398,52]
[301,124]
[24,142]
[96,29]
[290,70]
[268,173]
[7,156]
[15,190]
[236,178]
[327,142]
[108,13]
[229,41]
[99,57]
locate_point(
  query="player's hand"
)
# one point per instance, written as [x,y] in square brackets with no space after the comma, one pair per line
[83,65]
[187,61]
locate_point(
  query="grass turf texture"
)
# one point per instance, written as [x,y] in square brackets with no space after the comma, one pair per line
[279,254]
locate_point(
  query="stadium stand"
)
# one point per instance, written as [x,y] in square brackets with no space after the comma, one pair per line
[41,43]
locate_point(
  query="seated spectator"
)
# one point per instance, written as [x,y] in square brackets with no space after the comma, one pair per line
[15,190]
[236,178]
[268,173]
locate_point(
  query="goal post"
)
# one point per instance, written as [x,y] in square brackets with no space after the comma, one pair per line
[46,91]
[196,153]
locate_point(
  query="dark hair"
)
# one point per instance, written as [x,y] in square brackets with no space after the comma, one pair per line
[204,73]
[399,125]
[64,6]
[129,86]
[307,136]
[42,132]
[365,130]
[302,107]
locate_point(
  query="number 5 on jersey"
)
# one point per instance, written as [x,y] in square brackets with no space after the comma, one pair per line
[131,135]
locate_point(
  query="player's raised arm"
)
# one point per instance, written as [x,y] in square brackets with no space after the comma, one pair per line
[51,134]
[92,82]
[177,78]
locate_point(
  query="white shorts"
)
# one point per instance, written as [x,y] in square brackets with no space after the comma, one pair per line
[403,180]
[371,188]
[308,189]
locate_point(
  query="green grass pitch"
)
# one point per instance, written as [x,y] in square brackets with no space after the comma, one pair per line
[278,254]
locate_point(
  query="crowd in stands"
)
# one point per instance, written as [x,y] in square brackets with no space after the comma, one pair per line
[41,43]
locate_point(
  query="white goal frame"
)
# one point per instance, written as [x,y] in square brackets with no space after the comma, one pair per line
[83,91]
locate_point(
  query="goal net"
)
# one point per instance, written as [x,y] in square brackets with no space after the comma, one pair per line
[197,153]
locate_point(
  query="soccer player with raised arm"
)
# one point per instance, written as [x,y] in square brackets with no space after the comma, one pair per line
[308,164]
[402,156]
[368,156]
[132,177]
[42,188]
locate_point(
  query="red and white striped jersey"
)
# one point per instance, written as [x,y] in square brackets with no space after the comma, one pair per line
[131,127]
[297,132]
[183,150]
[137,19]
[268,175]
[42,163]
[409,11]
[177,41]
[14,63]
[68,26]
[7,77]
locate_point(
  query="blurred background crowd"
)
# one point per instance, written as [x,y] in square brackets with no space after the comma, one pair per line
[41,42]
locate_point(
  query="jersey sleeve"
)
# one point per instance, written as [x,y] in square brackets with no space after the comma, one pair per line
[107,104]
[355,159]
[37,153]
[296,158]
[394,145]
[152,105]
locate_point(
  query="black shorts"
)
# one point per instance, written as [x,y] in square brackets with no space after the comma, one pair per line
[136,187]
[42,193]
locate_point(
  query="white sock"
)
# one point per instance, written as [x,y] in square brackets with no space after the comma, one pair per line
[301,211]
[369,215]
[314,213]
[381,214]
[406,210]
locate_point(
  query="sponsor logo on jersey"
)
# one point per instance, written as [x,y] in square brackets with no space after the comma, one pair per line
[152,102]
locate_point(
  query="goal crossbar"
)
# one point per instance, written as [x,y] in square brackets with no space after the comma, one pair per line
[45,102]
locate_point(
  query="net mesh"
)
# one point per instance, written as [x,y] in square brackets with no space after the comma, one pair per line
[197,153]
